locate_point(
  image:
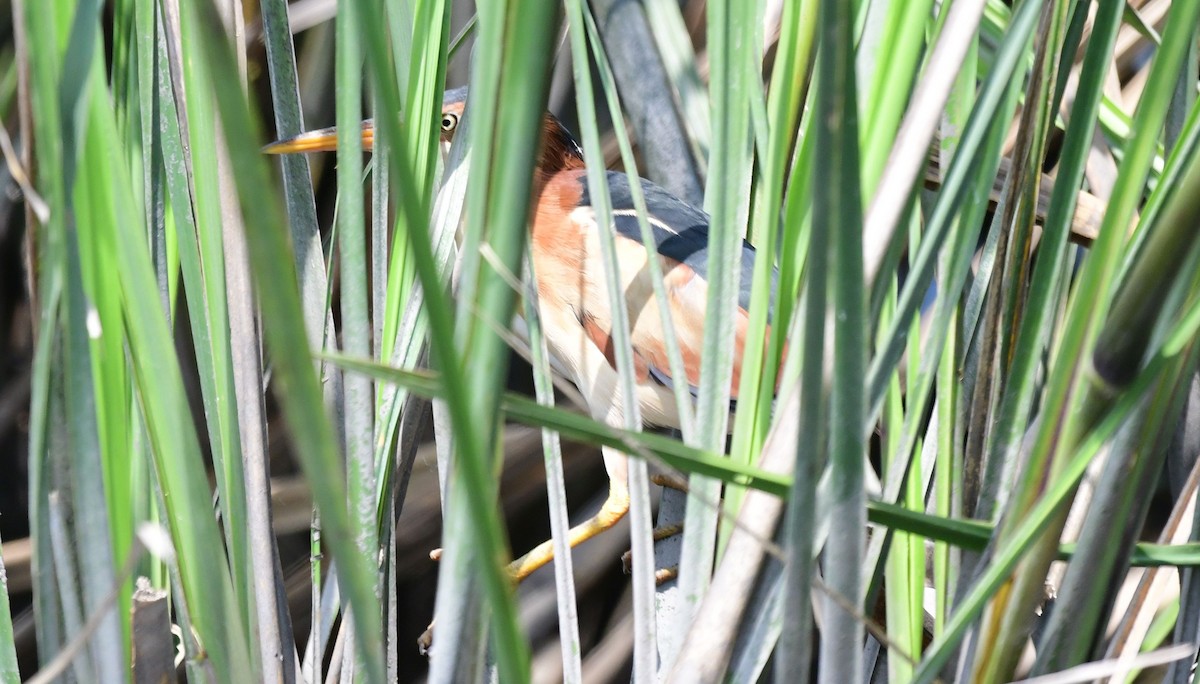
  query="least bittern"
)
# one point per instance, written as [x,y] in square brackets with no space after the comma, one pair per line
[572,297]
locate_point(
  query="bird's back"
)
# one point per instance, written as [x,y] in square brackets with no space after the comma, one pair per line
[574,296]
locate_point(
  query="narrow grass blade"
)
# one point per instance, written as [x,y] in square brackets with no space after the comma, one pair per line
[795,651]
[356,325]
[472,405]
[284,325]
[564,579]
[143,321]
[457,605]
[949,200]
[966,533]
[9,672]
[297,183]
[889,86]
[672,505]
[955,267]
[46,429]
[763,350]
[420,58]
[1029,528]
[682,67]
[203,163]
[247,490]
[916,131]
[644,623]
[1075,399]
[66,571]
[646,83]
[93,363]
[840,210]
[1019,394]
[1119,508]
[733,53]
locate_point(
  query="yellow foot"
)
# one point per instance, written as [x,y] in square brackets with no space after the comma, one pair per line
[661,575]
[666,531]
[669,482]
[658,534]
[425,641]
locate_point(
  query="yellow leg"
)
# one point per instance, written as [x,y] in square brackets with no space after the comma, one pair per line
[615,507]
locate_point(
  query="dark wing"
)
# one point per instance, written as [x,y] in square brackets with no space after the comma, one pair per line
[680,234]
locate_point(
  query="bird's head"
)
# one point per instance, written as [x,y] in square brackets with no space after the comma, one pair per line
[325,139]
[559,150]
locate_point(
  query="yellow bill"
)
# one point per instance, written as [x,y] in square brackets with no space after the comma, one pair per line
[323,140]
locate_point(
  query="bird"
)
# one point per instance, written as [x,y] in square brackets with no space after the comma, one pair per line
[573,300]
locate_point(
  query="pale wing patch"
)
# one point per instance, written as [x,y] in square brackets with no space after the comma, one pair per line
[654,221]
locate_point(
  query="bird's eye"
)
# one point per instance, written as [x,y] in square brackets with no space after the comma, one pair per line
[449,122]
